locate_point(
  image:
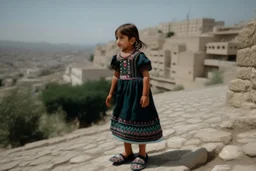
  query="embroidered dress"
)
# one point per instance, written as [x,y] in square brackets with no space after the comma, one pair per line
[130,122]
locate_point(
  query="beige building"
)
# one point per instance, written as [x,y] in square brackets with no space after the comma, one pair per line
[193,27]
[188,58]
[80,75]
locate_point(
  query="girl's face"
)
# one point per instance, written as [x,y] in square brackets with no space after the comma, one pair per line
[123,42]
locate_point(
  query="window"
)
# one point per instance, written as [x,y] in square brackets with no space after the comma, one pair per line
[218,47]
[223,47]
[173,72]
[173,63]
[174,53]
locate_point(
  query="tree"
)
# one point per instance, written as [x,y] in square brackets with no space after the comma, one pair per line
[91,58]
[170,34]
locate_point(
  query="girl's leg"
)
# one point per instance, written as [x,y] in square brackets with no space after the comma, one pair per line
[127,149]
[142,151]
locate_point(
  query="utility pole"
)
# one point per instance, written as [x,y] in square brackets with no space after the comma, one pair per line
[188,15]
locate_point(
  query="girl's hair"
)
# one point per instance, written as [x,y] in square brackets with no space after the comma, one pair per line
[130,30]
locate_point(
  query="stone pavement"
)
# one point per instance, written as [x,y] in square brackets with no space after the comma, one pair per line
[199,129]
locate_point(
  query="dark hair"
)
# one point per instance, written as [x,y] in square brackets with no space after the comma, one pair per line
[130,30]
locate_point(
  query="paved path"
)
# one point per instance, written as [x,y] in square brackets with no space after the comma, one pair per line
[199,130]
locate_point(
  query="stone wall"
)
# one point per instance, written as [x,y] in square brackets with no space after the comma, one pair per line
[242,90]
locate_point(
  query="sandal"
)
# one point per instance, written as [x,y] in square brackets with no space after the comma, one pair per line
[120,159]
[139,163]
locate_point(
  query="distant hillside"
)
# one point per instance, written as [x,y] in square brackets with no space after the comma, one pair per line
[43,46]
[15,55]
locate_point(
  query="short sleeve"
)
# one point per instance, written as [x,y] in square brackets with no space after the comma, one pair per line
[115,64]
[144,63]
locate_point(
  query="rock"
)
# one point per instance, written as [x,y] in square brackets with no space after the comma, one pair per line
[250,149]
[175,142]
[227,124]
[79,159]
[247,36]
[230,152]
[8,166]
[216,136]
[245,168]
[237,99]
[65,158]
[40,160]
[172,168]
[244,73]
[168,132]
[253,78]
[185,128]
[42,167]
[156,146]
[221,168]
[247,137]
[238,85]
[193,142]
[213,147]
[253,55]
[244,57]
[194,158]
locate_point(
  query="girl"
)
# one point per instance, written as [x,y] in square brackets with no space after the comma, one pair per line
[135,119]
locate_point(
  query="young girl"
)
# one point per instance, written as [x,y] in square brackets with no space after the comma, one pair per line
[135,119]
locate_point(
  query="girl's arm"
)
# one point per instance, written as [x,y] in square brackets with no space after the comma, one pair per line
[146,79]
[114,82]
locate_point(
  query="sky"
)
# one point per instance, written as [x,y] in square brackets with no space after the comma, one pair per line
[94,21]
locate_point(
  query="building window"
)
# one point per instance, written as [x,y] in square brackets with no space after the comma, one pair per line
[174,53]
[209,47]
[231,47]
[173,72]
[218,47]
[223,47]
[212,47]
[173,63]
[235,47]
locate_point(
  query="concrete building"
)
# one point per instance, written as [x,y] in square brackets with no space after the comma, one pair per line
[80,75]
[193,27]
[188,58]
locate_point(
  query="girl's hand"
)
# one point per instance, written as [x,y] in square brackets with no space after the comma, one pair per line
[108,100]
[144,101]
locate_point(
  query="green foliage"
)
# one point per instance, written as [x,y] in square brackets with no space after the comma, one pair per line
[170,34]
[178,88]
[54,125]
[1,82]
[217,78]
[19,118]
[85,102]
[91,58]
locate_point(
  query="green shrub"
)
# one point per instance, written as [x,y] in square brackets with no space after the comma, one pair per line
[91,58]
[178,87]
[54,125]
[85,102]
[217,78]
[170,34]
[19,118]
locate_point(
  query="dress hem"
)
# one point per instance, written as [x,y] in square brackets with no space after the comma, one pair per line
[134,142]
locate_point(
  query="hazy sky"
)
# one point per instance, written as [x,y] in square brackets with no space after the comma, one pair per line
[94,21]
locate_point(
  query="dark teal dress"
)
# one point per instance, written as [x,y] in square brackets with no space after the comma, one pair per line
[130,122]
